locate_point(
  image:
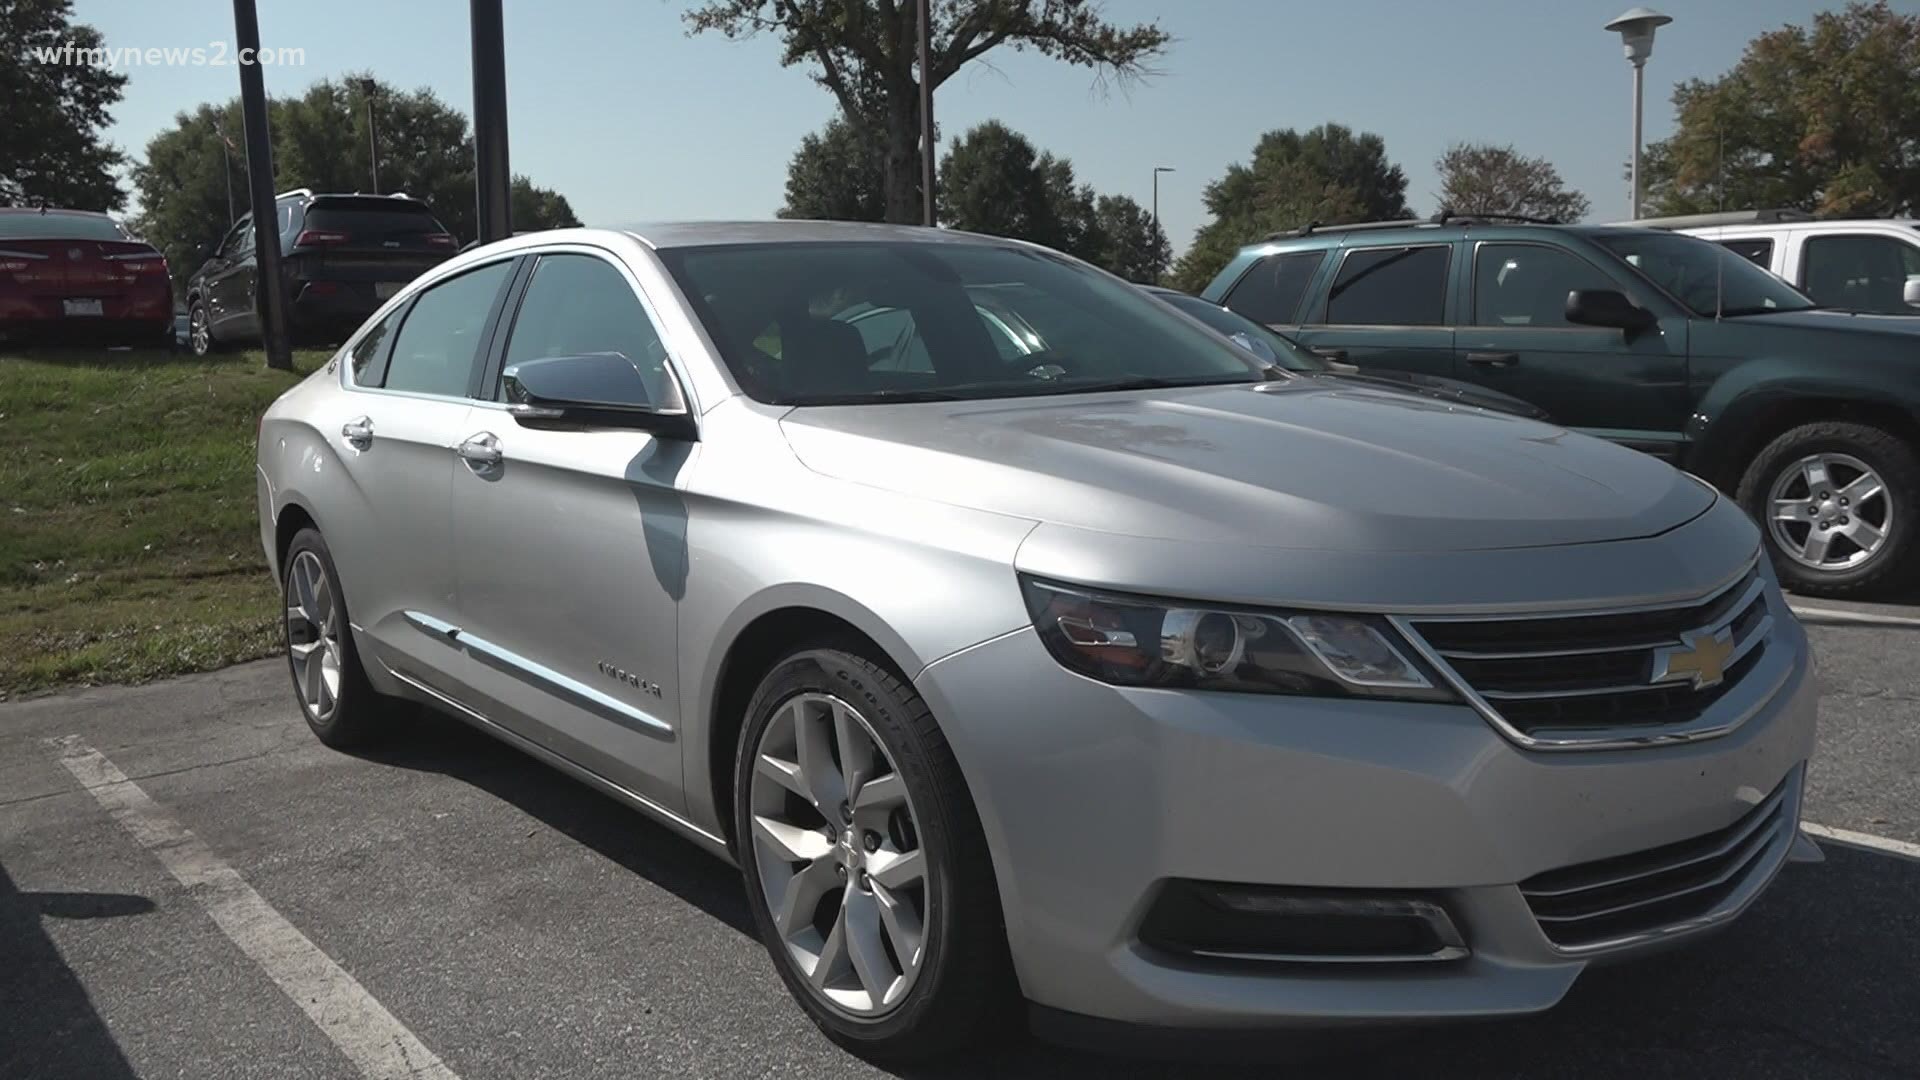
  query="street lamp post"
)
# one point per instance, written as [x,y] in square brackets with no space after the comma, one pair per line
[367,87]
[1636,27]
[925,19]
[1157,170]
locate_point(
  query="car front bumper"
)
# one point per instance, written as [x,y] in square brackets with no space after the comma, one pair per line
[1093,797]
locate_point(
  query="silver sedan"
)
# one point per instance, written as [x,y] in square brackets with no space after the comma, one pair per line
[1029,645]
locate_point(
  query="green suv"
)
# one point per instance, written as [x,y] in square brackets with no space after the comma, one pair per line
[1810,416]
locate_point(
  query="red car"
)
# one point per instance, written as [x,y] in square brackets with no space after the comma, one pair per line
[74,276]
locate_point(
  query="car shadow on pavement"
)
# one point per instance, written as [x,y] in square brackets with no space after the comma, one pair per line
[48,1025]
[1818,979]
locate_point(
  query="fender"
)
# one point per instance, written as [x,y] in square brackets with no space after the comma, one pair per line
[1729,417]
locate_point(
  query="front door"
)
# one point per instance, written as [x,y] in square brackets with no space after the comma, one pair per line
[230,289]
[570,550]
[1515,338]
[1386,308]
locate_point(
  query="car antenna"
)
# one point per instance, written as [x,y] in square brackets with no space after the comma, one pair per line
[1720,283]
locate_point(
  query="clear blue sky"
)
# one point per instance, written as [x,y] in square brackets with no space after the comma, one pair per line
[613,105]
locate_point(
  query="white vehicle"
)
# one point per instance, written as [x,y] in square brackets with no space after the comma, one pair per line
[1868,265]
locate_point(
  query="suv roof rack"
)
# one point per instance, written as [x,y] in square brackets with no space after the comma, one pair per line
[1445,216]
[1769,216]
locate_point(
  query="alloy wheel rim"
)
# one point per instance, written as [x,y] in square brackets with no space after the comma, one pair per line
[197,327]
[313,635]
[837,847]
[1830,511]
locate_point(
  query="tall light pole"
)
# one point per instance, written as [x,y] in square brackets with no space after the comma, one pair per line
[1157,170]
[367,87]
[1635,27]
[926,114]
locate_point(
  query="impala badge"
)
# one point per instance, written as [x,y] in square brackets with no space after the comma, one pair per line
[628,677]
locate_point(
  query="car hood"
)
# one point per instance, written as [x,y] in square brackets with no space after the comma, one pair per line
[1439,388]
[1907,326]
[1295,463]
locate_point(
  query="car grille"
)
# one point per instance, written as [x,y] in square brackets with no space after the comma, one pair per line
[1570,679]
[1598,903]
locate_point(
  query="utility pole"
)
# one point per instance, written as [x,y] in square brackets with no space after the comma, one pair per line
[493,179]
[269,297]
[367,87]
[1157,170]
[926,114]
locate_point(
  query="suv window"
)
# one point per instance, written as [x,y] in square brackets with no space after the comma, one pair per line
[579,304]
[440,338]
[1527,284]
[1396,286]
[239,239]
[1859,272]
[1271,292]
[1758,252]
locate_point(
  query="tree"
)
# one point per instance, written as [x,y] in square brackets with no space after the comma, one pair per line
[51,149]
[1328,175]
[991,182]
[1486,179]
[865,53]
[838,174]
[1824,119]
[1131,243]
[319,142]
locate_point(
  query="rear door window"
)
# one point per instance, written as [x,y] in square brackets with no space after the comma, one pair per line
[1393,286]
[1860,272]
[439,342]
[1271,292]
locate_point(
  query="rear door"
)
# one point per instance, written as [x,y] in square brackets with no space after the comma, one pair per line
[1515,338]
[1859,271]
[570,545]
[405,408]
[1386,307]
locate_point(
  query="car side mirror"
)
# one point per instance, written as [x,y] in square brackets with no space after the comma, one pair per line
[1606,307]
[594,390]
[1910,292]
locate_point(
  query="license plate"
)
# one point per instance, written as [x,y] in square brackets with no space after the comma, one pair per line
[384,289]
[82,307]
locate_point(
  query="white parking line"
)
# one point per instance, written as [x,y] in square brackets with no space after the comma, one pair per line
[1843,616]
[1848,836]
[378,1044]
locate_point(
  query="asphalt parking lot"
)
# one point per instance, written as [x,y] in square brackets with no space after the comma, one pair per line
[446,908]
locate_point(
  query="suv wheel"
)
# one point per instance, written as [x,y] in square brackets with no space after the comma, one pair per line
[339,704]
[865,864]
[200,329]
[1836,501]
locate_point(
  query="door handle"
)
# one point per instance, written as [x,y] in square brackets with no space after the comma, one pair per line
[358,432]
[481,450]
[1328,353]
[1493,359]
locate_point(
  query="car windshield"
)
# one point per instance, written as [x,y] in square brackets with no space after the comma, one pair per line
[57,226]
[1266,344]
[872,322]
[1706,277]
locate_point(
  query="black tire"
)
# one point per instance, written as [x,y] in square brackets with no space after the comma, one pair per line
[197,311]
[965,989]
[359,715]
[1894,565]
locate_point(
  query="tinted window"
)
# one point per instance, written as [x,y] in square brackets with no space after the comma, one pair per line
[579,304]
[440,338]
[239,241]
[371,224]
[1706,277]
[367,349]
[1527,285]
[1860,273]
[55,225]
[1757,252]
[780,316]
[1398,286]
[1271,292]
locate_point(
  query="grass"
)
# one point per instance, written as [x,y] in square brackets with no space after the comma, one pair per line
[129,548]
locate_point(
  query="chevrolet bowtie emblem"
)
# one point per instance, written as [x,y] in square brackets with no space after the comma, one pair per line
[1701,659]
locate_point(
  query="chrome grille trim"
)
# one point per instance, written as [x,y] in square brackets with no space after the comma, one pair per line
[1741,603]
[1742,862]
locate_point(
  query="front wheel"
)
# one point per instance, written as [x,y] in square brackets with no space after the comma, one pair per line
[341,707]
[1837,503]
[865,864]
[200,329]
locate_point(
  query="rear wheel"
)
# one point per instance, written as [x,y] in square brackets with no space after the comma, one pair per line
[1836,500]
[865,864]
[200,329]
[339,704]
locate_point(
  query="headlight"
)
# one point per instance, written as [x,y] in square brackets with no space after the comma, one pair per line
[1135,641]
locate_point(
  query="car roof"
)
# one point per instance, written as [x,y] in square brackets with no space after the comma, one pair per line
[688,234]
